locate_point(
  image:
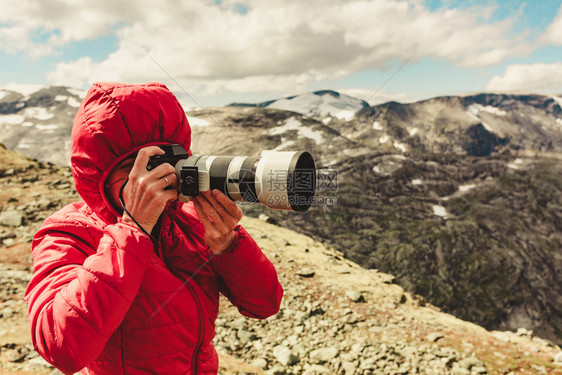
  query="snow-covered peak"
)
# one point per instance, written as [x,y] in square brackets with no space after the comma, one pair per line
[74,96]
[31,114]
[319,104]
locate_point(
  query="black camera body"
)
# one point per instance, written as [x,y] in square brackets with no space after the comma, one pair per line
[173,154]
[283,180]
[188,176]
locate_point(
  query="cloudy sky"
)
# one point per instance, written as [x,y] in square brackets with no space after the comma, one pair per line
[218,52]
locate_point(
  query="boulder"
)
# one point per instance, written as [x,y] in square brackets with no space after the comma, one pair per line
[284,355]
[11,218]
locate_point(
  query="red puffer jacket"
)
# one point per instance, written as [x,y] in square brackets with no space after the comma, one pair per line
[103,299]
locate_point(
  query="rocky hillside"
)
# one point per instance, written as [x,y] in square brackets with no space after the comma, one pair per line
[475,125]
[37,121]
[479,237]
[336,317]
[459,197]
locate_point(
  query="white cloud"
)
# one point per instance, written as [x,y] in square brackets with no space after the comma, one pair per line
[73,74]
[14,39]
[533,77]
[274,46]
[553,33]
[48,24]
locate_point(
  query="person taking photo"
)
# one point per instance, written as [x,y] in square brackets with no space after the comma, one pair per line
[127,281]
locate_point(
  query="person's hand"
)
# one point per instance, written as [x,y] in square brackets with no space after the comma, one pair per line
[219,215]
[145,195]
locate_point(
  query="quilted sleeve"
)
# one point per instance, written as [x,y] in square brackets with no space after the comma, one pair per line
[81,290]
[249,279]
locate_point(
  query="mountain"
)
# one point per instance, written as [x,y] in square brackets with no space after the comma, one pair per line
[477,125]
[336,317]
[458,197]
[37,120]
[480,238]
[323,103]
[248,131]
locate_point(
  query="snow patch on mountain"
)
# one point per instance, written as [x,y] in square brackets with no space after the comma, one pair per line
[23,145]
[196,121]
[49,127]
[377,125]
[319,104]
[39,113]
[12,119]
[294,124]
[79,93]
[517,164]
[29,113]
[558,100]
[70,100]
[345,115]
[465,188]
[388,164]
[440,211]
[73,102]
[474,109]
[487,126]
[416,181]
[401,146]
[285,144]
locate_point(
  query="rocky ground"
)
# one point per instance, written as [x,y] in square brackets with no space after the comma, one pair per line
[336,317]
[30,192]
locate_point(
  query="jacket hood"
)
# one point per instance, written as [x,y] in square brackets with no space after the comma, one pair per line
[114,121]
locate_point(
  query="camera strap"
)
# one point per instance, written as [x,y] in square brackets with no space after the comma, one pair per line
[131,216]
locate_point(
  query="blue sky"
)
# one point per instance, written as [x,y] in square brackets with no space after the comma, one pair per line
[254,50]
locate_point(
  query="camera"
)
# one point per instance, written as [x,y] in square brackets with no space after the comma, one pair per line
[283,180]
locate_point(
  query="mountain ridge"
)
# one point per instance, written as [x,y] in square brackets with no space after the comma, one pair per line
[530,122]
[320,103]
